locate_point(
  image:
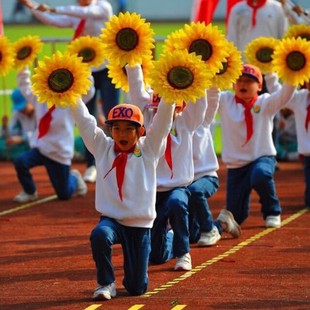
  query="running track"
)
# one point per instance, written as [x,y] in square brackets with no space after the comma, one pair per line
[45,258]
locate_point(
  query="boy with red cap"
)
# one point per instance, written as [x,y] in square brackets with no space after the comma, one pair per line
[125,190]
[248,149]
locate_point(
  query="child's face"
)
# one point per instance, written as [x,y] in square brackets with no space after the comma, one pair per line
[246,88]
[125,134]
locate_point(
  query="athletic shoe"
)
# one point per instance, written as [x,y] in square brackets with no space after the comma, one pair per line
[209,238]
[24,197]
[183,263]
[81,185]
[273,221]
[90,174]
[231,226]
[105,292]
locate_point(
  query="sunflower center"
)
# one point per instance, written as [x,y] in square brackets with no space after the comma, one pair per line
[180,77]
[0,56]
[127,39]
[224,69]
[296,60]
[88,54]
[23,53]
[60,80]
[201,47]
[264,54]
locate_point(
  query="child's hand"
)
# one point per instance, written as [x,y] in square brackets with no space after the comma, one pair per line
[14,140]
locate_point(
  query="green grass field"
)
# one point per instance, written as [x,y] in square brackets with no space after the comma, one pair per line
[50,35]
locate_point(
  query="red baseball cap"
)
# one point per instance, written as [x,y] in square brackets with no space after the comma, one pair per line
[252,72]
[125,112]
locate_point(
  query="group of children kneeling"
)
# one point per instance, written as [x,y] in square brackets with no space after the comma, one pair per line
[157,168]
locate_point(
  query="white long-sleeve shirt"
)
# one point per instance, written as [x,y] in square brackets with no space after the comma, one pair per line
[235,153]
[58,143]
[204,156]
[139,188]
[270,22]
[96,15]
[183,128]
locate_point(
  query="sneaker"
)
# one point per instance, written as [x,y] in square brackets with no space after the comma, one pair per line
[273,221]
[209,238]
[24,197]
[105,292]
[81,185]
[183,263]
[90,174]
[231,226]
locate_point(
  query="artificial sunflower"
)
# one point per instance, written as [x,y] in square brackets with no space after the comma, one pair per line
[128,38]
[291,60]
[119,76]
[89,48]
[7,56]
[302,31]
[180,76]
[27,50]
[170,43]
[61,79]
[232,69]
[207,41]
[259,53]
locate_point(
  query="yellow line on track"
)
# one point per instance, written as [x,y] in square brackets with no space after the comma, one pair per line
[213,260]
[28,205]
[93,307]
[223,255]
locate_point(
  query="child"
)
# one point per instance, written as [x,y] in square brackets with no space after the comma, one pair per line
[248,148]
[300,105]
[203,229]
[173,175]
[53,149]
[17,132]
[125,196]
[286,139]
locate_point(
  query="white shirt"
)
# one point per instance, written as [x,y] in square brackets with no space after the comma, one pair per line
[235,153]
[270,22]
[139,188]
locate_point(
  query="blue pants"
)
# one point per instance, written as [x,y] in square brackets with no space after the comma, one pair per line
[173,206]
[258,175]
[200,216]
[110,98]
[63,182]
[135,242]
[307,180]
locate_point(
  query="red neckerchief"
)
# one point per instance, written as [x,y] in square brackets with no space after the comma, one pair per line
[78,31]
[119,163]
[255,6]
[247,116]
[307,120]
[45,122]
[168,156]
